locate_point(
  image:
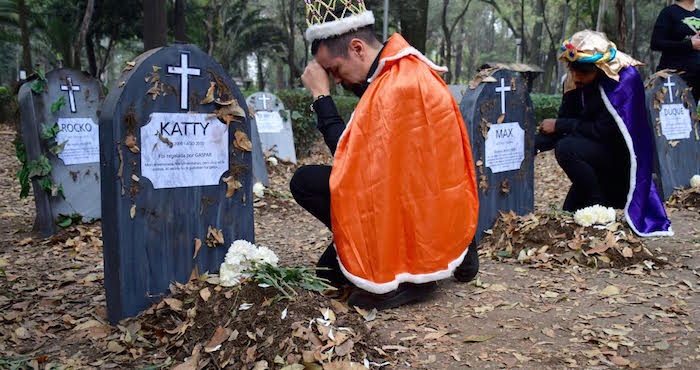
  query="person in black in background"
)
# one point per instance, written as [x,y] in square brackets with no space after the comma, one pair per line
[587,144]
[677,36]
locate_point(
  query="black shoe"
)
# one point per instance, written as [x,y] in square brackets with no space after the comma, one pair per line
[404,294]
[467,271]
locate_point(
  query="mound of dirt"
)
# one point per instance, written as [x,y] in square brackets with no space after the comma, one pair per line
[685,198]
[555,239]
[201,325]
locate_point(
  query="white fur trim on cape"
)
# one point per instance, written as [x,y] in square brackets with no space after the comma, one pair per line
[402,54]
[338,27]
[383,288]
[633,167]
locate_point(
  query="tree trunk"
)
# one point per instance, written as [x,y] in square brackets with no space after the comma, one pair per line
[524,49]
[261,75]
[600,21]
[621,11]
[155,28]
[291,59]
[103,64]
[413,15]
[180,25]
[459,51]
[633,48]
[90,52]
[24,30]
[77,46]
[280,76]
[536,43]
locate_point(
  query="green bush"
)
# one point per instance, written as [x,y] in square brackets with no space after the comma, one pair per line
[546,106]
[8,106]
[304,120]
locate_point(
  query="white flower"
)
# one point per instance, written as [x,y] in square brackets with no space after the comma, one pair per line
[695,181]
[596,214]
[229,275]
[273,161]
[266,255]
[259,190]
[240,258]
[584,217]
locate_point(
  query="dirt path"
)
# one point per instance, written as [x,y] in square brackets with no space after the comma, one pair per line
[513,315]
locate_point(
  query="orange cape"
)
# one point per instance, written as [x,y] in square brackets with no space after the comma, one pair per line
[404,200]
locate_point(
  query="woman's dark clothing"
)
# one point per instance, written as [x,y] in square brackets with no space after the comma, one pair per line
[672,37]
[590,149]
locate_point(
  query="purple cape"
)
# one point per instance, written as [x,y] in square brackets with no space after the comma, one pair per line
[626,102]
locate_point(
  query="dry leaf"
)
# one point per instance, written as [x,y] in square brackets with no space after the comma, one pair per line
[121,84]
[477,338]
[345,348]
[197,245]
[242,142]
[205,294]
[165,140]
[192,362]
[114,347]
[627,252]
[610,290]
[130,142]
[132,211]
[214,237]
[232,185]
[501,118]
[155,68]
[230,113]
[620,361]
[135,177]
[129,66]
[227,102]
[173,303]
[210,94]
[220,335]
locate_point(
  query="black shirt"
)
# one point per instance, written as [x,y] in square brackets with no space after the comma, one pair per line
[330,123]
[671,36]
[583,113]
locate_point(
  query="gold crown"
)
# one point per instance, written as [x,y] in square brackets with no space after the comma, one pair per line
[328,18]
[320,11]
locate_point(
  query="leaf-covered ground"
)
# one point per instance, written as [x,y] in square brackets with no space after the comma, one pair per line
[556,307]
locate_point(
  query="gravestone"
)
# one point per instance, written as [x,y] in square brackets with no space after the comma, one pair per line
[274,125]
[176,165]
[500,121]
[674,121]
[458,91]
[259,161]
[59,127]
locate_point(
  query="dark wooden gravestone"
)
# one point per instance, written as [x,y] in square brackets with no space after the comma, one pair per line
[173,173]
[275,126]
[500,121]
[60,134]
[674,120]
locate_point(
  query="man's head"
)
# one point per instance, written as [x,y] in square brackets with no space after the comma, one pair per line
[583,74]
[348,57]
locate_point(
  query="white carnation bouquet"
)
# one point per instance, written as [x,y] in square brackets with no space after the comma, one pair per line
[244,261]
[695,181]
[594,215]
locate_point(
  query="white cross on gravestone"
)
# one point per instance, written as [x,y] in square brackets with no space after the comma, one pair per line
[71,98]
[670,86]
[184,71]
[502,90]
[265,99]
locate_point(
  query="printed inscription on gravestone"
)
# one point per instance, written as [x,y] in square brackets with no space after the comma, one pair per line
[505,147]
[505,142]
[674,117]
[183,149]
[81,140]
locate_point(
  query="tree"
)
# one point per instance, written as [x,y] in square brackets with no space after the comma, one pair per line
[24,30]
[447,31]
[180,23]
[77,46]
[621,12]
[155,28]
[413,16]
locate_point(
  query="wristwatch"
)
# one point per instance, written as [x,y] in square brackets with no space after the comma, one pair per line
[314,102]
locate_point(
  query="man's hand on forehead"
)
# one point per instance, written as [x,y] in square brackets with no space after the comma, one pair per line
[315,79]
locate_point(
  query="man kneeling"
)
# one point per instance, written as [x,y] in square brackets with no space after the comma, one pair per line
[601,137]
[401,196]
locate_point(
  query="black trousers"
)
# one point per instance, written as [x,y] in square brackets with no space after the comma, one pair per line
[310,189]
[599,172]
